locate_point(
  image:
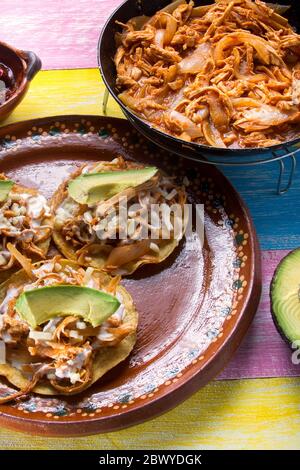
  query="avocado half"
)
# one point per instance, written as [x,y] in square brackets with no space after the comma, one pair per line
[36,306]
[285,297]
[106,358]
[5,187]
[90,188]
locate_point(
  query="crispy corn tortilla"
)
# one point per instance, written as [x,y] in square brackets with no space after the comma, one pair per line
[99,258]
[105,359]
[44,245]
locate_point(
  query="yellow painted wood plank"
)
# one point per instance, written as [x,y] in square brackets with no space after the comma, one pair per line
[239,414]
[57,92]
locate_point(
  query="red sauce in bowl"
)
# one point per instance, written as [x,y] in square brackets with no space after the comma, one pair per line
[7,83]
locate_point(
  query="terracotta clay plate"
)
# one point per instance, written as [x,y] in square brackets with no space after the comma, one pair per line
[194,308]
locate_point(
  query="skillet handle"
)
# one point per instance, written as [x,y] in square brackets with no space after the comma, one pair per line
[281,188]
[34,64]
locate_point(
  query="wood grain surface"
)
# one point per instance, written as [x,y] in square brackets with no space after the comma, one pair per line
[256,413]
[236,414]
[64,34]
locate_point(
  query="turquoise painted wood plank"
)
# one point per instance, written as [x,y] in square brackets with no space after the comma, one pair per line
[276,218]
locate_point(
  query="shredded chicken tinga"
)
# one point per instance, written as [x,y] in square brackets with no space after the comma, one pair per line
[82,233]
[25,226]
[65,354]
[225,75]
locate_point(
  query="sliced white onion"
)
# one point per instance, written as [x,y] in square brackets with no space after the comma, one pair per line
[163,192]
[74,377]
[188,126]
[196,61]
[88,217]
[10,294]
[40,335]
[88,275]
[202,113]
[119,296]
[104,335]
[119,313]
[171,195]
[36,205]
[57,267]
[7,338]
[74,334]
[51,325]
[159,38]
[64,372]
[17,364]
[265,115]
[51,376]
[3,260]
[296,88]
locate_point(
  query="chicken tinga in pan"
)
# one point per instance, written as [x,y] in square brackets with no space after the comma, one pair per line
[62,327]
[118,215]
[224,75]
[25,225]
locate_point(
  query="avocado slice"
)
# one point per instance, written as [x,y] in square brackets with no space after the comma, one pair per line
[5,187]
[285,297]
[90,188]
[37,306]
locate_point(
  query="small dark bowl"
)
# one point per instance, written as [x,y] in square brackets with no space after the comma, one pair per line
[24,66]
[106,51]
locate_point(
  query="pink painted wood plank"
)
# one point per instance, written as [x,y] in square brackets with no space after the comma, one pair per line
[64,33]
[263,353]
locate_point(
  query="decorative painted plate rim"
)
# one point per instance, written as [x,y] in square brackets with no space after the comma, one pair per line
[201,369]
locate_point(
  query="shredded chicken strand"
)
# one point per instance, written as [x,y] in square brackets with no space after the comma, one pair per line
[23,392]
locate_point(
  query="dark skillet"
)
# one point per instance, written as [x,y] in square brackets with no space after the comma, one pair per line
[106,52]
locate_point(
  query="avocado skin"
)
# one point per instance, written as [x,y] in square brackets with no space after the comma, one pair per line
[83,189]
[272,286]
[5,187]
[95,308]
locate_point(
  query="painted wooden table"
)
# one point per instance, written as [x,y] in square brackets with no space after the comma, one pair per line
[255,402]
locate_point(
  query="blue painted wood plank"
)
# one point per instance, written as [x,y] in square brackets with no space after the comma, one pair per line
[276,218]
